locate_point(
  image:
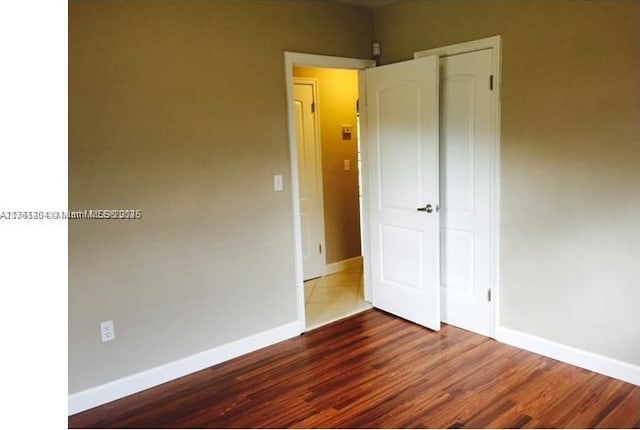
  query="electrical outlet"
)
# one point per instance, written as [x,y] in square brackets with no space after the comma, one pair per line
[107,332]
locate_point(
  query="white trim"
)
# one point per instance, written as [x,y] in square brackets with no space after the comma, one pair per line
[460,48]
[494,43]
[119,388]
[292,59]
[326,61]
[348,264]
[350,313]
[364,174]
[587,360]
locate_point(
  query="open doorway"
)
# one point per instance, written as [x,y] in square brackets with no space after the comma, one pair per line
[404,150]
[329,190]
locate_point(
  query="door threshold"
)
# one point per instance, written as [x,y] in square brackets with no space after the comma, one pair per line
[362,308]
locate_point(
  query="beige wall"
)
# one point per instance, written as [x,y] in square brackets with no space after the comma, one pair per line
[570,219]
[337,96]
[178,109]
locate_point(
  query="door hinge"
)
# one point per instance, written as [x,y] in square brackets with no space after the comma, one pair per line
[491,82]
[489,295]
[320,248]
[313,107]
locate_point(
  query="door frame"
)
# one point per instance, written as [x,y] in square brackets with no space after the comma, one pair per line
[318,153]
[292,59]
[494,43]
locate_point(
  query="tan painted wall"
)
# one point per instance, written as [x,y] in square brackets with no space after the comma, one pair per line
[570,219]
[178,109]
[337,94]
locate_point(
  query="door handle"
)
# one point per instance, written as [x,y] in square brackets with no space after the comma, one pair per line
[428,208]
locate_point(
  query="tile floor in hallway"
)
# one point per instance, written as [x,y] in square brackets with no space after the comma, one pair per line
[332,297]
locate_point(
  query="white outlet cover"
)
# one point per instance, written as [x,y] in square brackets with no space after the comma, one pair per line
[107,331]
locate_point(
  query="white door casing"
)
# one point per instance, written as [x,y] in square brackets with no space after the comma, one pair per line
[309,177]
[292,59]
[403,141]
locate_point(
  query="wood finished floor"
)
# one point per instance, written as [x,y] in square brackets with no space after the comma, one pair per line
[374,370]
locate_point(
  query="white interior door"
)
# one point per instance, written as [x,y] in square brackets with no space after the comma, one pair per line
[309,179]
[403,155]
[465,145]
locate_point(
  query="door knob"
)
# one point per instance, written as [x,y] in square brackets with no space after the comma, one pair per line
[428,209]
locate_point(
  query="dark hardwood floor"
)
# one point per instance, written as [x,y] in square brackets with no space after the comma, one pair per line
[374,370]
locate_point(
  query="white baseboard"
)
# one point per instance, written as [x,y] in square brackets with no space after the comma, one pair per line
[338,266]
[587,360]
[117,389]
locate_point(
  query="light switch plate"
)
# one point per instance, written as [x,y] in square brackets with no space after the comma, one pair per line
[277,182]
